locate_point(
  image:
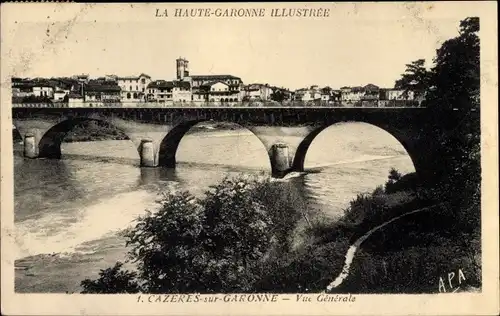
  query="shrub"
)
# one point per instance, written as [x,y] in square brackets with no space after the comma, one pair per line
[165,244]
[209,245]
[112,280]
[306,270]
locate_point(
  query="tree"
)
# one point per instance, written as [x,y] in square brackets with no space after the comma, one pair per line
[207,245]
[455,84]
[164,245]
[393,178]
[278,95]
[235,236]
[455,80]
[112,280]
[416,78]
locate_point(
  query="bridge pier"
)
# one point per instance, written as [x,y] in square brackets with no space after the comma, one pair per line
[280,162]
[282,144]
[30,146]
[147,153]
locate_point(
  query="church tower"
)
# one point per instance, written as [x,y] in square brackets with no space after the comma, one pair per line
[182,66]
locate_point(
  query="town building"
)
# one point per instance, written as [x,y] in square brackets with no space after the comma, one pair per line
[370,92]
[60,95]
[62,88]
[42,90]
[257,92]
[181,91]
[313,93]
[351,94]
[75,100]
[163,91]
[281,94]
[36,90]
[159,91]
[326,94]
[133,88]
[83,78]
[298,94]
[399,94]
[21,89]
[215,88]
[336,95]
[101,92]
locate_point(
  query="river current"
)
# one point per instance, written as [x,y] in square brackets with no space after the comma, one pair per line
[69,213]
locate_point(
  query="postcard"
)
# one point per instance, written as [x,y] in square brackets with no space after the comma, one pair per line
[323,158]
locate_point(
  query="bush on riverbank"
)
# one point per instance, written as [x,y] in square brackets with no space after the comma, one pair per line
[369,210]
[209,245]
[406,256]
[411,256]
[94,131]
[112,280]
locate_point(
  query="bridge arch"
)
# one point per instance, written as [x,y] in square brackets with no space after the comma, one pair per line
[16,135]
[49,144]
[298,163]
[169,145]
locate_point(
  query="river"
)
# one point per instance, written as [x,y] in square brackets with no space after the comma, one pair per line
[69,213]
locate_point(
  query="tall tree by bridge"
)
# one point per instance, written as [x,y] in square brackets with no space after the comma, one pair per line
[416,78]
[452,90]
[455,84]
[455,78]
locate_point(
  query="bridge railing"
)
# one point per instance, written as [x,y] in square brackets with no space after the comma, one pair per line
[292,104]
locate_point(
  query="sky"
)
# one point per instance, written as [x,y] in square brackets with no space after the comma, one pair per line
[355,45]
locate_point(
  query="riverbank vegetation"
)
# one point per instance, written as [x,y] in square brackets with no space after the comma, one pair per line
[256,235]
[94,131]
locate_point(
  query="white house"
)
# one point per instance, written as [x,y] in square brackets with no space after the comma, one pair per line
[133,88]
[75,100]
[326,94]
[159,91]
[348,94]
[219,91]
[257,91]
[201,87]
[399,94]
[181,91]
[308,94]
[60,94]
[42,90]
[21,91]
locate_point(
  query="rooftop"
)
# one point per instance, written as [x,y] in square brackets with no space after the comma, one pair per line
[133,77]
[98,87]
[163,84]
[214,77]
[211,83]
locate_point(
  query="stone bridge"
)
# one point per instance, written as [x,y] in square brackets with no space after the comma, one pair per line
[157,132]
